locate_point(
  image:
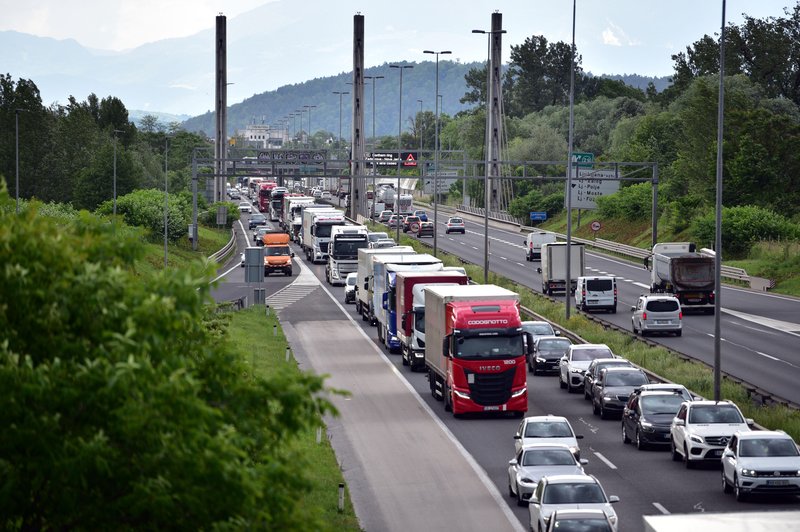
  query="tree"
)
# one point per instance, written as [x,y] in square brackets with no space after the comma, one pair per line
[123,406]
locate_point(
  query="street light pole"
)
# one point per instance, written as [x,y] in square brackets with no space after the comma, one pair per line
[374,168]
[166,195]
[115,171]
[568,286]
[309,107]
[399,134]
[340,93]
[16,125]
[436,154]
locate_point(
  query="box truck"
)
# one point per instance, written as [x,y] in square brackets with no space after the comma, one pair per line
[554,267]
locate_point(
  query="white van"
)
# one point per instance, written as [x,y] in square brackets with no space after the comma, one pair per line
[533,244]
[596,293]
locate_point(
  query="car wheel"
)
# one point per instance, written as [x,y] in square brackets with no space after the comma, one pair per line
[625,438]
[676,456]
[678,333]
[595,407]
[639,442]
[603,413]
[561,382]
[520,500]
[688,463]
[586,395]
[633,327]
[614,310]
[510,491]
[726,488]
[738,492]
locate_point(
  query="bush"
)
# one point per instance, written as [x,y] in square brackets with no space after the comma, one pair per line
[522,206]
[209,216]
[742,227]
[632,203]
[145,209]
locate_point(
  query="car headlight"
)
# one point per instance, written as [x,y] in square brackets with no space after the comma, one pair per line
[696,439]
[646,426]
[541,360]
[748,472]
[577,370]
[607,398]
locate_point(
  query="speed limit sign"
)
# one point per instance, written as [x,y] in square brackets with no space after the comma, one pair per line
[595,226]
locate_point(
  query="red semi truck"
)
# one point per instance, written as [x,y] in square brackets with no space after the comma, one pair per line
[409,296]
[475,349]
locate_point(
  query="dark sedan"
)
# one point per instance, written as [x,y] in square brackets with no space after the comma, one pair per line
[256,220]
[546,353]
[647,417]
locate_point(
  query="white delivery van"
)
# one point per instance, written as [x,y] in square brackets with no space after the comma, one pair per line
[596,293]
[533,244]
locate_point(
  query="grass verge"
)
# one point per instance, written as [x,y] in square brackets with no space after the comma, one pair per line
[251,334]
[180,254]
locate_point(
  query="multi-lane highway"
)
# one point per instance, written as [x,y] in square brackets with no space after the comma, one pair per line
[647,482]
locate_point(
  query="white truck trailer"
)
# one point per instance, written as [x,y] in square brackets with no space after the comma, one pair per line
[554,267]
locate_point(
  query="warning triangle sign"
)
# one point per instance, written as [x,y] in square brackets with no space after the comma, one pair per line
[410,161]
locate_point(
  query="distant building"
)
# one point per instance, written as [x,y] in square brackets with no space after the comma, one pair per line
[263,136]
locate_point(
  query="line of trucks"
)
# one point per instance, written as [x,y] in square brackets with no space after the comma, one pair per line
[468,338]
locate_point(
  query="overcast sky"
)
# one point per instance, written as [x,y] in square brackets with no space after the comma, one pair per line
[613,36]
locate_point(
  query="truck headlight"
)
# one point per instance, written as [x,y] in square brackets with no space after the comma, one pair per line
[461,395]
[519,392]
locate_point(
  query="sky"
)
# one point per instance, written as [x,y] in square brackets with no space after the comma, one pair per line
[612,36]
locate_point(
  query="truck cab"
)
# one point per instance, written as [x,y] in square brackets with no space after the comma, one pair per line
[277,255]
[345,242]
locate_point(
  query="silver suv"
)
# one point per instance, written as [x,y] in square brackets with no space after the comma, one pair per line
[701,430]
[657,313]
[574,364]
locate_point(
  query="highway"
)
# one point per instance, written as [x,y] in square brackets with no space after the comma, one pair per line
[647,482]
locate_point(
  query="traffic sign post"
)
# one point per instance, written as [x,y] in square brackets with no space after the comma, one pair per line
[538,216]
[595,225]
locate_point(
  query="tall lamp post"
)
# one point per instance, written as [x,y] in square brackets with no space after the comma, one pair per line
[115,171]
[340,93]
[568,286]
[486,191]
[399,147]
[309,107]
[374,169]
[436,153]
[166,195]
[16,152]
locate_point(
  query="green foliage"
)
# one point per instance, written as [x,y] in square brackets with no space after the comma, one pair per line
[121,408]
[742,227]
[209,216]
[145,209]
[634,202]
[521,206]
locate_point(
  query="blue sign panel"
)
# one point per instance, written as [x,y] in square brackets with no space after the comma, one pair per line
[538,216]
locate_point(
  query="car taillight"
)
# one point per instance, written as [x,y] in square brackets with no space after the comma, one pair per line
[644,315]
[680,315]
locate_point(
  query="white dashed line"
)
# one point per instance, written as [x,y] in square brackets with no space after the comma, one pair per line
[520,264]
[768,356]
[605,460]
[660,508]
[473,247]
[503,258]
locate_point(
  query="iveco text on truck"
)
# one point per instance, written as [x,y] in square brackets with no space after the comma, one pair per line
[409,296]
[554,267]
[345,242]
[475,349]
[677,268]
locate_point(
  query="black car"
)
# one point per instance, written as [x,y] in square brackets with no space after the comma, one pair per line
[594,368]
[256,220]
[546,352]
[647,417]
[612,388]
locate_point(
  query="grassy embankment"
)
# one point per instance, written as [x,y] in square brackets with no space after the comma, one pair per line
[250,333]
[694,375]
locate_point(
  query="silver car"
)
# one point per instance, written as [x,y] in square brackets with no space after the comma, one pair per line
[535,461]
[657,313]
[547,429]
[761,462]
[561,492]
[574,364]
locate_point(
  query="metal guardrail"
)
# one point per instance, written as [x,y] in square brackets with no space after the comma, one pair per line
[222,253]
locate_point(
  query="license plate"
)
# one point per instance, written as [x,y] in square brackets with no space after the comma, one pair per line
[662,322]
[777,482]
[715,452]
[490,408]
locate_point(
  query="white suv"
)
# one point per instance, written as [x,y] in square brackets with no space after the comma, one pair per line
[574,364]
[701,430]
[657,313]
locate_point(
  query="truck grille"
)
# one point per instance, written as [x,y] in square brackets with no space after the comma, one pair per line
[489,389]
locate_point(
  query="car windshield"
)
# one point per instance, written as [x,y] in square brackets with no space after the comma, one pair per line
[715,414]
[591,354]
[661,404]
[572,493]
[489,346]
[538,328]
[662,305]
[258,218]
[374,237]
[548,429]
[455,221]
[351,281]
[764,447]
[633,378]
[276,251]
[542,457]
[554,344]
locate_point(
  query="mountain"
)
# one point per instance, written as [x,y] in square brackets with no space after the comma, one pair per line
[418,84]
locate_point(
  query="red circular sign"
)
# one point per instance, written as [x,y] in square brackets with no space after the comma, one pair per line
[596,225]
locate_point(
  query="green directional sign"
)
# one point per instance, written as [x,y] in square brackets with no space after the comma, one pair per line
[584,160]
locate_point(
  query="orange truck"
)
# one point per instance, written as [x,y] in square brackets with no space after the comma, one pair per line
[277,255]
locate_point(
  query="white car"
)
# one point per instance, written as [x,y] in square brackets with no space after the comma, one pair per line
[701,430]
[245,206]
[538,460]
[326,195]
[574,364]
[547,429]
[761,462]
[350,287]
[560,492]
[657,313]
[317,194]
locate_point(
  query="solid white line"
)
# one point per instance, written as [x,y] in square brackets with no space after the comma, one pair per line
[660,508]
[482,475]
[605,460]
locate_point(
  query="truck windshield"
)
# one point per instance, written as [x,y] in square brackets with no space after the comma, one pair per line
[419,320]
[500,346]
[323,231]
[348,249]
[276,251]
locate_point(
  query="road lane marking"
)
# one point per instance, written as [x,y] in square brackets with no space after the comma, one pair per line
[605,460]
[660,508]
[503,258]
[769,356]
[520,264]
[784,326]
[642,285]
[473,247]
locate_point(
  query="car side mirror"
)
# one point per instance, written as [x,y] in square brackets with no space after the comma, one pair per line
[579,436]
[750,421]
[557,333]
[517,437]
[727,452]
[403,321]
[583,461]
[292,254]
[538,270]
[385,301]
[512,462]
[446,346]
[678,422]
[524,242]
[633,309]
[533,500]
[613,498]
